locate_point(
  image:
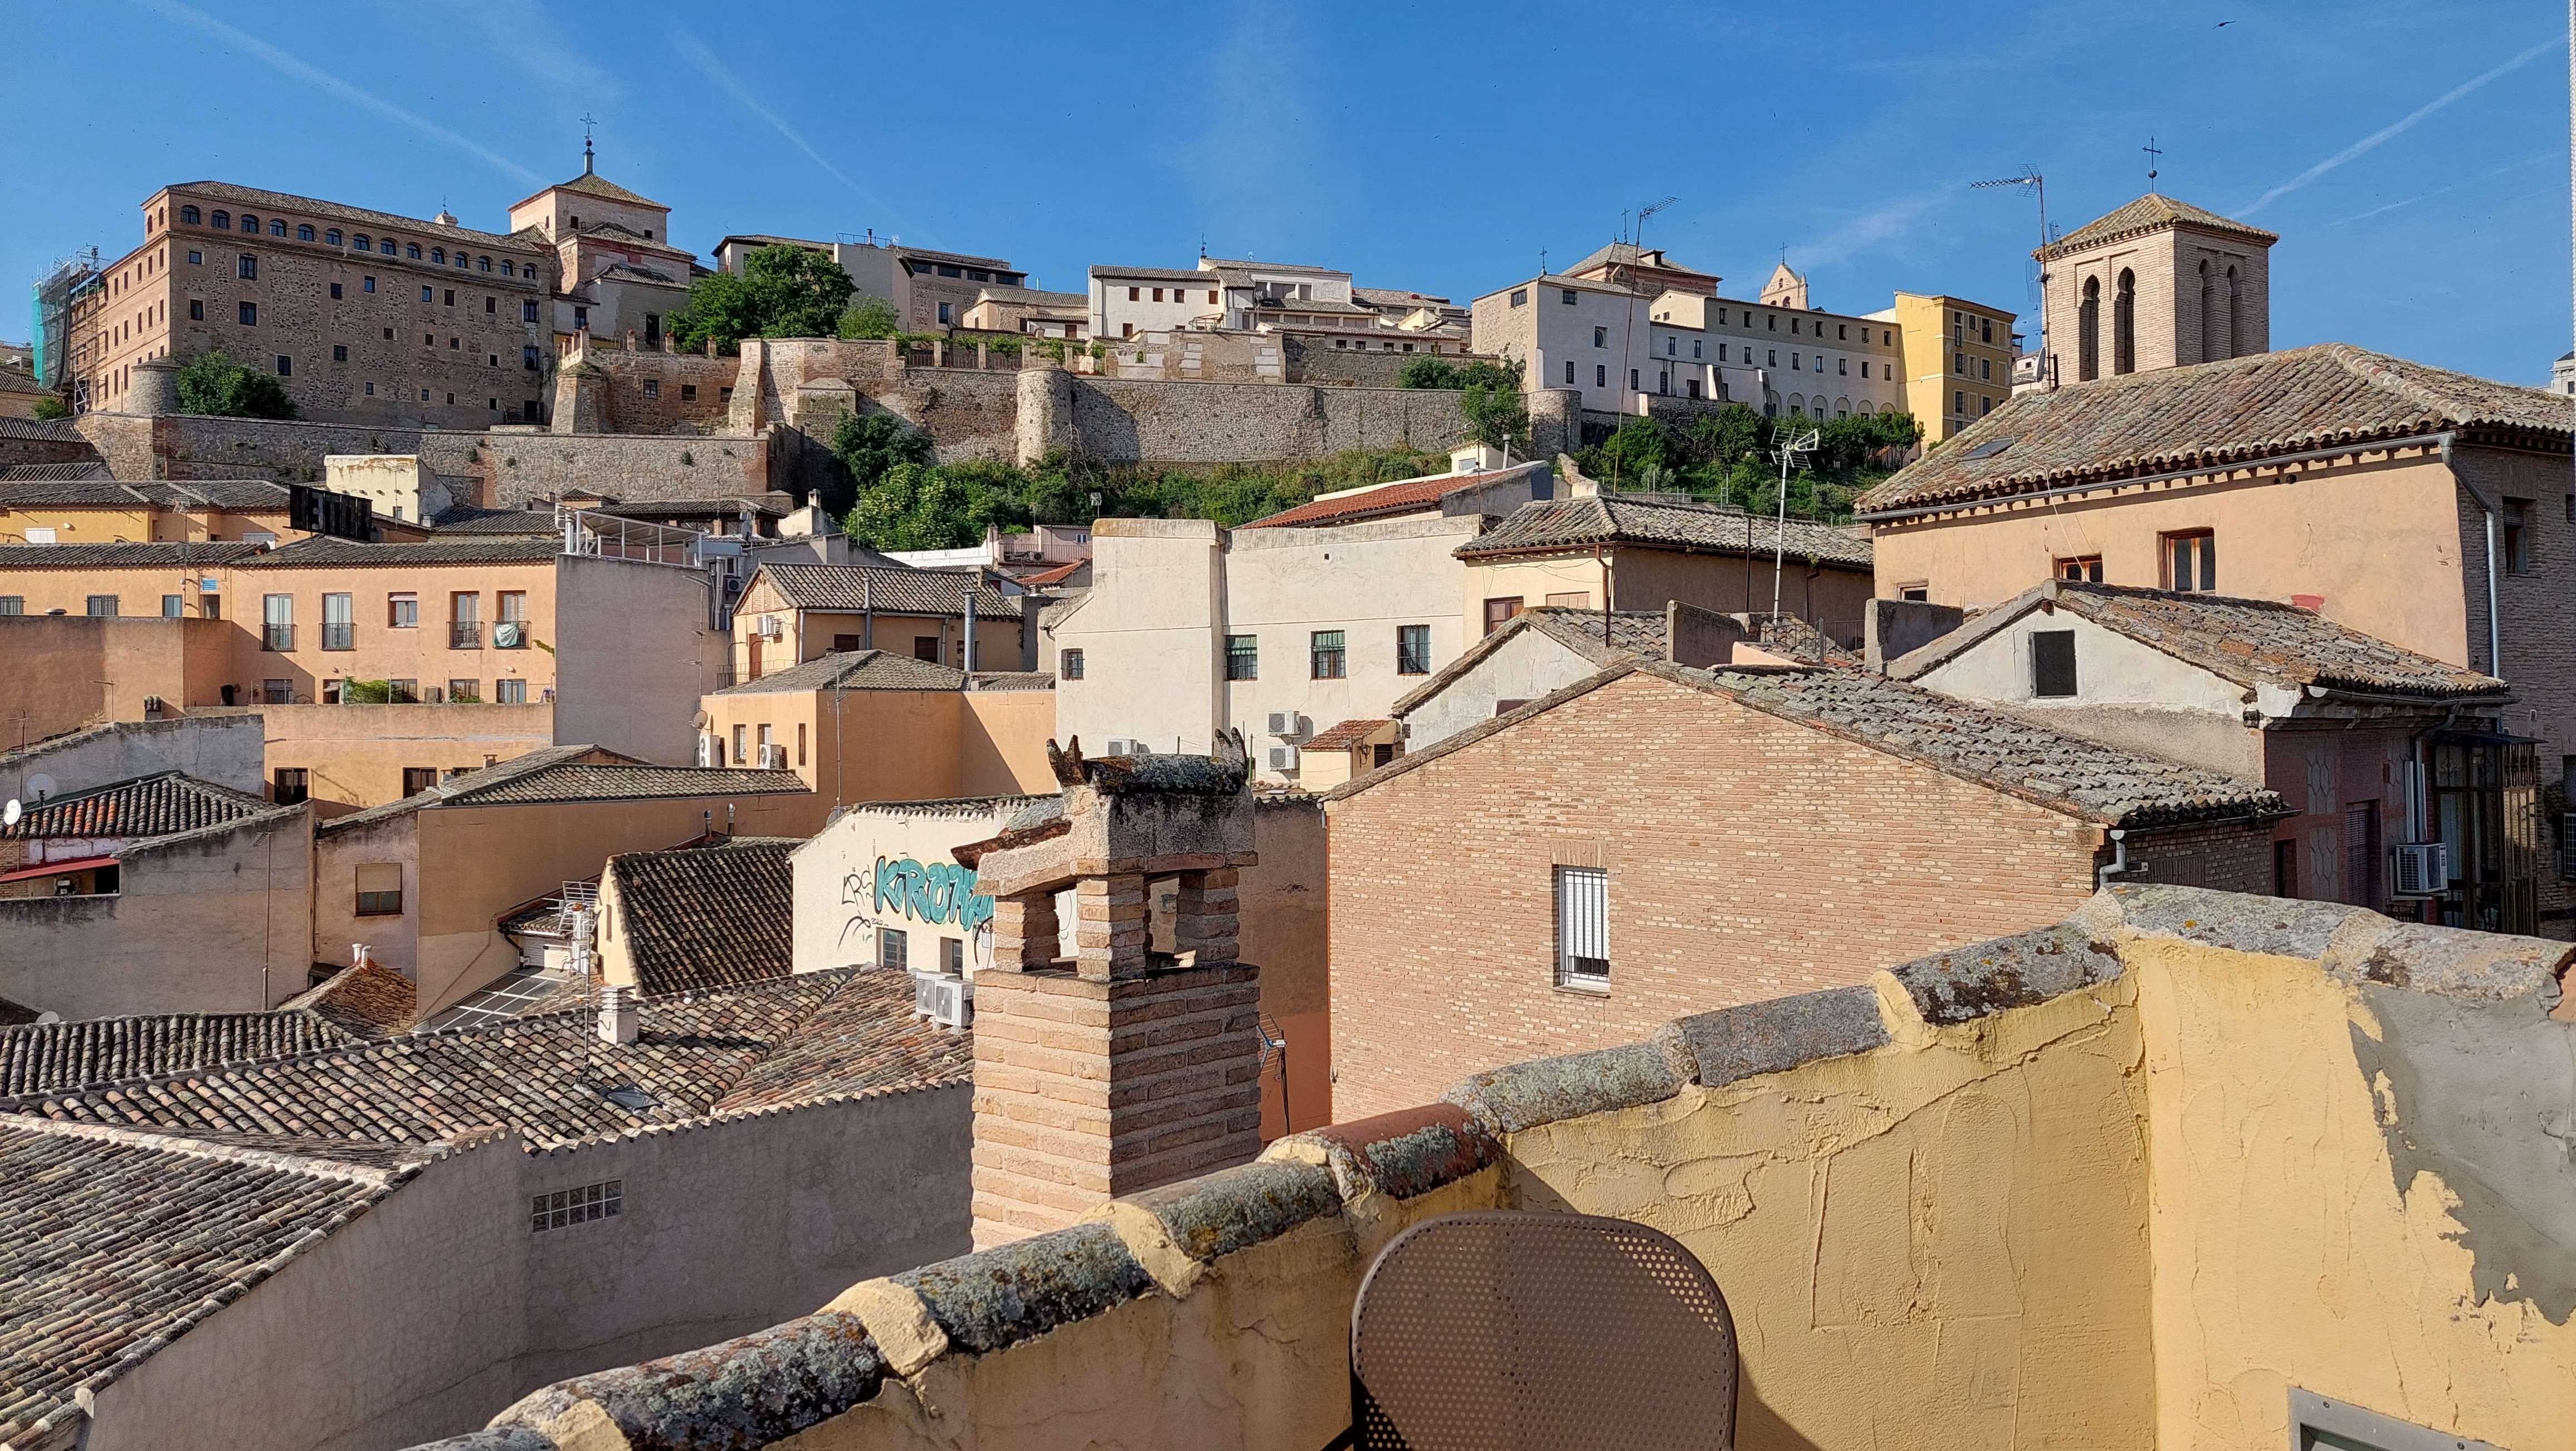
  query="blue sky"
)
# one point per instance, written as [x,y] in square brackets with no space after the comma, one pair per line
[2412,155]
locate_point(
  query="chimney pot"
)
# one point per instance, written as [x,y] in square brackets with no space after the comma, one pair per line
[616,1014]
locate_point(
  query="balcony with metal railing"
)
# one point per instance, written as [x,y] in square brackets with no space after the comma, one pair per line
[465,634]
[340,636]
[274,636]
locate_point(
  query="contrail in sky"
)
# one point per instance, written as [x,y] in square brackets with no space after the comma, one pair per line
[2398,127]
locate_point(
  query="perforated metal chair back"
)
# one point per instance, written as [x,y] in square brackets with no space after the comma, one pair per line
[1522,1331]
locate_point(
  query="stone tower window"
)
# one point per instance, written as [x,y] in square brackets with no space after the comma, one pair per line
[2124,324]
[2088,332]
[189,215]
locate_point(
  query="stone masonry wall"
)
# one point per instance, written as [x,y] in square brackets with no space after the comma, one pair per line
[654,392]
[1185,423]
[494,469]
[1748,858]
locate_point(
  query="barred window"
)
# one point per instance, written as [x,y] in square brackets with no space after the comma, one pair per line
[566,1207]
[1413,649]
[1327,656]
[1243,657]
[1583,927]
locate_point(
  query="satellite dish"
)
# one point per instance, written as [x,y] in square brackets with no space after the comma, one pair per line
[10,813]
[40,785]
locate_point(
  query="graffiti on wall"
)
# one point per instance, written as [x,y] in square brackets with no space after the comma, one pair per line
[939,893]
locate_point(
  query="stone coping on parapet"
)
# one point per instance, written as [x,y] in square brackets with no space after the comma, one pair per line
[1366,1179]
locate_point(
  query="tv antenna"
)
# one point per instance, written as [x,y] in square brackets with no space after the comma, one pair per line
[1649,209]
[1791,448]
[2038,187]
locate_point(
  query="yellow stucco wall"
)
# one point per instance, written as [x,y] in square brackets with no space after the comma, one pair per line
[2380,540]
[896,745]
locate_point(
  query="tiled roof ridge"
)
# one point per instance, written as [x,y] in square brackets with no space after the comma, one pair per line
[175,1140]
[430,231]
[311,1018]
[715,1117]
[400,1042]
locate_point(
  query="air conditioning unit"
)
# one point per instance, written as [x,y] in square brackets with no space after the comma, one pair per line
[945,1000]
[2423,869]
[1283,724]
[706,750]
[1118,747]
[509,635]
[1283,758]
[773,758]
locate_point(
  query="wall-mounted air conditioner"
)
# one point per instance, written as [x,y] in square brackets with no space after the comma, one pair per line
[1119,747]
[773,758]
[1285,724]
[706,750]
[2423,869]
[1283,758]
[943,999]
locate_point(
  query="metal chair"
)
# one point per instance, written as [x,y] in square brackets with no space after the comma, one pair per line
[1520,1331]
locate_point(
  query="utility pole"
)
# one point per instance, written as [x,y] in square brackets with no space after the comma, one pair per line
[1790,449]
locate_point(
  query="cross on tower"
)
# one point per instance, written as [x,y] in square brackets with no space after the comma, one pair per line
[587,121]
[2154,156]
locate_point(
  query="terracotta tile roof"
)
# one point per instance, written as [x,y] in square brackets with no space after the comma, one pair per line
[112,1245]
[1014,680]
[1634,635]
[1158,274]
[50,432]
[854,670]
[1580,523]
[1345,735]
[2146,214]
[705,917]
[547,1076]
[1787,635]
[1628,254]
[591,183]
[519,765]
[321,552]
[147,806]
[1404,496]
[466,519]
[728,507]
[1992,747]
[28,473]
[1058,574]
[368,1000]
[2243,641]
[201,555]
[2174,419]
[892,591]
[426,231]
[862,1039]
[583,781]
[52,1057]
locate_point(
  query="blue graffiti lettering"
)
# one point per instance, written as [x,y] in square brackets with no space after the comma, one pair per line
[939,892]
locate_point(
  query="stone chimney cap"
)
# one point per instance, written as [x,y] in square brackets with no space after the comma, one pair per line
[617,1014]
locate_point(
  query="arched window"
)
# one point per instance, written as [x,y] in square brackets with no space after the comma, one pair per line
[189,215]
[277,228]
[1797,405]
[2088,332]
[413,251]
[483,262]
[506,269]
[249,222]
[2235,316]
[1842,408]
[304,231]
[386,246]
[462,261]
[436,254]
[332,236]
[223,218]
[362,243]
[2124,324]
[2208,316]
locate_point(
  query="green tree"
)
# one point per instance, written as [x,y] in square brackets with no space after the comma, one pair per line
[1489,399]
[868,445]
[870,317]
[49,408]
[781,292]
[214,384]
[1427,371]
[918,506]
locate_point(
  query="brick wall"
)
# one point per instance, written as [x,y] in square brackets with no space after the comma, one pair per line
[2538,653]
[25,441]
[2230,858]
[496,468]
[1748,858]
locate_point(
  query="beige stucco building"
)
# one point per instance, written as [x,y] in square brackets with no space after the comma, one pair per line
[427,882]
[788,614]
[869,726]
[519,641]
[2425,508]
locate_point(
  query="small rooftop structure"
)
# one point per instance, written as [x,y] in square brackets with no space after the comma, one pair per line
[1432,494]
[700,917]
[1587,521]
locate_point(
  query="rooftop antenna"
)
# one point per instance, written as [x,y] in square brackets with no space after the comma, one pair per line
[1646,211]
[587,121]
[1794,447]
[2038,186]
[2154,157]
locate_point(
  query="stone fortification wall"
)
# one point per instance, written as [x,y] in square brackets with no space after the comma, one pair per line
[1188,423]
[627,390]
[499,468]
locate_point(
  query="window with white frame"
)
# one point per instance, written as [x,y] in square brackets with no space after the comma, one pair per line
[1583,927]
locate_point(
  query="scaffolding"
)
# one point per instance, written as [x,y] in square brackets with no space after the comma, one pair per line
[52,315]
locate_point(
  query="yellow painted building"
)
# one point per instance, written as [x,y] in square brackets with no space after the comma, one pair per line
[871,725]
[1957,359]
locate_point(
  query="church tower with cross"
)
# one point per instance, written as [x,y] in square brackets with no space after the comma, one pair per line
[2157,283]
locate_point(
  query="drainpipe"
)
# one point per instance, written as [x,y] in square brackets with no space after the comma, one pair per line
[966,654]
[2119,865]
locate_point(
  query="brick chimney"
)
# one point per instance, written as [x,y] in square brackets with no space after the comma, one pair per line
[1121,1067]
